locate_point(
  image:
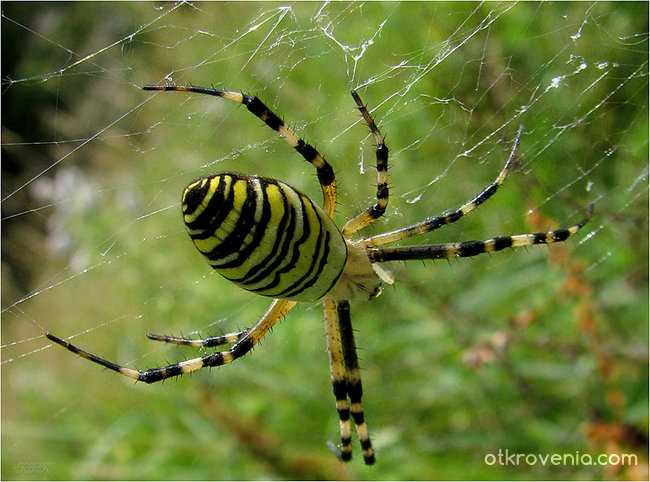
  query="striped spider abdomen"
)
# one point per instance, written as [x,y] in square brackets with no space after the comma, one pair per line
[264,236]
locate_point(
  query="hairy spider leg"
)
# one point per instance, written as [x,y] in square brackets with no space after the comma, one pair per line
[277,310]
[346,378]
[472,248]
[337,373]
[324,170]
[376,211]
[353,379]
[201,342]
[434,222]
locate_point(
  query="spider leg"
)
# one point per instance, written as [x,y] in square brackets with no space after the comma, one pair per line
[242,346]
[201,343]
[256,106]
[376,211]
[472,248]
[353,379]
[337,371]
[346,378]
[435,222]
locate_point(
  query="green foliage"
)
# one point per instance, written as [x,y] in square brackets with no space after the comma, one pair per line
[536,351]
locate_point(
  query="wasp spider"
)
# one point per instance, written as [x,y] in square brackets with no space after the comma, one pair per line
[273,240]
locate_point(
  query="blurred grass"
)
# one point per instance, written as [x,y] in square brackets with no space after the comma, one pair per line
[535,351]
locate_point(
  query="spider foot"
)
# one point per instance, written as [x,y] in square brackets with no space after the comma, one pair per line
[341,456]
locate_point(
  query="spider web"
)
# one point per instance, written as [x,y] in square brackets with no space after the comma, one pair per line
[93,247]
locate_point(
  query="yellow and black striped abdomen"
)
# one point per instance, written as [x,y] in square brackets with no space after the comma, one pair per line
[264,236]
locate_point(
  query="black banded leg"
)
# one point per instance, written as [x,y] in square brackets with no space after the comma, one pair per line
[201,343]
[435,222]
[376,211]
[337,372]
[256,106]
[472,248]
[242,346]
[324,170]
[353,379]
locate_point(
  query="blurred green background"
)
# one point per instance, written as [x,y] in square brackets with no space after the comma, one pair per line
[535,351]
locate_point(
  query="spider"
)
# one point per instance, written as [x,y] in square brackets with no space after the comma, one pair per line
[271,239]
